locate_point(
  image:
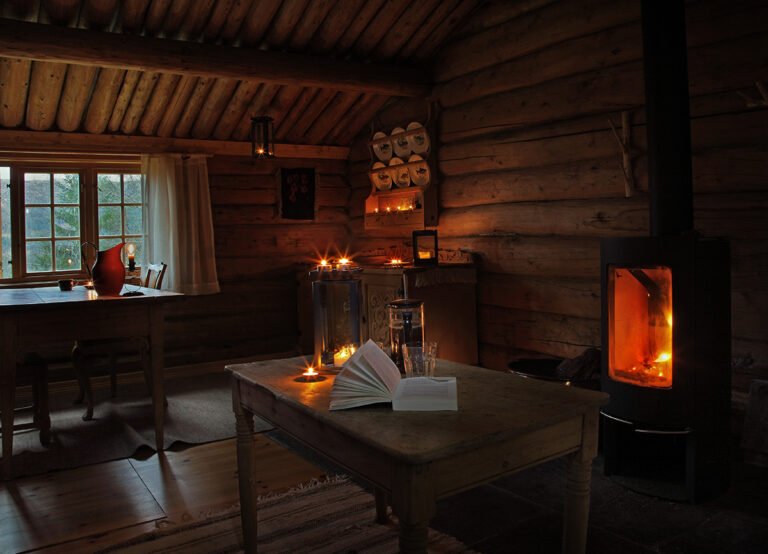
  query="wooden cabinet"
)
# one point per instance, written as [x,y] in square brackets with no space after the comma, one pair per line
[450,306]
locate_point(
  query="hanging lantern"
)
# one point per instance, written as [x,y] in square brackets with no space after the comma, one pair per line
[262,141]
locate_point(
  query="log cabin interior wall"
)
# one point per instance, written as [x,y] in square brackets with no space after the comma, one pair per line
[258,256]
[532,172]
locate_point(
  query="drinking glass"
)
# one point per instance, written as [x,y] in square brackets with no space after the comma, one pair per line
[419,359]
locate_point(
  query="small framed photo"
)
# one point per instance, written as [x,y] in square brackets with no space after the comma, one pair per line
[424,248]
[297,193]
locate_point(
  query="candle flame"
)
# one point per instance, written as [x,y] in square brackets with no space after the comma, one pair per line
[323,262]
[310,372]
[344,261]
[663,357]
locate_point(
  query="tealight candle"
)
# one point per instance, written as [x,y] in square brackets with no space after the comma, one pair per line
[310,374]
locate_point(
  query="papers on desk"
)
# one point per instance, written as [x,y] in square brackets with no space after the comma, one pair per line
[371,377]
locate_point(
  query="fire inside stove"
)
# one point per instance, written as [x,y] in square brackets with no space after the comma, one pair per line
[640,325]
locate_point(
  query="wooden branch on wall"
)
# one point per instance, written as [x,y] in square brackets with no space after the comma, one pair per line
[21,39]
[625,143]
[41,141]
[761,102]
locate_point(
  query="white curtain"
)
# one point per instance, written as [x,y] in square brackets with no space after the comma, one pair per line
[178,226]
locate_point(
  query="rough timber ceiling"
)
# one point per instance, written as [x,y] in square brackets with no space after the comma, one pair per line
[133,76]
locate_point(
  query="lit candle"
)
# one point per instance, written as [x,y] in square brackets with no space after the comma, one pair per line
[323,265]
[310,374]
[395,262]
[131,256]
[343,354]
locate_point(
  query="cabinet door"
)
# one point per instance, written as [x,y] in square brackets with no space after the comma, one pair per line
[379,290]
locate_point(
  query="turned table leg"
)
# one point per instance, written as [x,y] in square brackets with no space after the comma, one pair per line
[245,466]
[414,503]
[7,391]
[381,505]
[577,489]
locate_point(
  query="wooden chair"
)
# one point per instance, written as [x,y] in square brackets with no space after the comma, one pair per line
[33,370]
[86,355]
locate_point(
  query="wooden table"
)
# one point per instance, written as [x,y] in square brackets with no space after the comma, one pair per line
[33,316]
[505,423]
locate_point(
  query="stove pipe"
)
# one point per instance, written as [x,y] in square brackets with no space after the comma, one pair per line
[665,67]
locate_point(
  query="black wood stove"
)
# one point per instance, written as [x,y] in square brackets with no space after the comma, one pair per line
[666,305]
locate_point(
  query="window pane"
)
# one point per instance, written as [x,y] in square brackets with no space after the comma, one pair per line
[133,220]
[104,244]
[109,189]
[39,256]
[132,185]
[66,222]
[37,188]
[6,269]
[66,188]
[38,222]
[110,220]
[67,255]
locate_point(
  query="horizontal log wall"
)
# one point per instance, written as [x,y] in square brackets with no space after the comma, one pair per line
[258,257]
[532,171]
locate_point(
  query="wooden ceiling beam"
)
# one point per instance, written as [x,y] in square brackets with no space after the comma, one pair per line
[41,141]
[20,39]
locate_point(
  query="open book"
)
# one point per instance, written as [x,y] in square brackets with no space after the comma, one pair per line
[370,377]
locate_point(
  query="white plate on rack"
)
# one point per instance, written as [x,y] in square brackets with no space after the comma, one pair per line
[418,142]
[400,143]
[381,177]
[418,170]
[399,173]
[383,150]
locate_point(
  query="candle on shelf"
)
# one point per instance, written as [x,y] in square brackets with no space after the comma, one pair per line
[323,265]
[343,354]
[131,256]
[395,262]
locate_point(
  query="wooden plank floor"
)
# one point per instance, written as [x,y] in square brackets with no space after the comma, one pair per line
[87,508]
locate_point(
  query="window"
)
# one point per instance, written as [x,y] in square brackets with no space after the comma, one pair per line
[46,213]
[52,222]
[119,201]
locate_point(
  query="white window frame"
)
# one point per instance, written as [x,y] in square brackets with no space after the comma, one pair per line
[88,171]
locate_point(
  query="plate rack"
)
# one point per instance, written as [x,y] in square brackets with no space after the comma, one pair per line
[405,207]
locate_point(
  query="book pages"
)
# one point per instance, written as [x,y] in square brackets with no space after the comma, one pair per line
[426,394]
[369,376]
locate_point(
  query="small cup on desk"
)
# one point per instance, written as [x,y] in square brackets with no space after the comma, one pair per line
[66,284]
[419,359]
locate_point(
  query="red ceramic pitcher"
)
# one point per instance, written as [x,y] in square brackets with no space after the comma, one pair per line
[108,272]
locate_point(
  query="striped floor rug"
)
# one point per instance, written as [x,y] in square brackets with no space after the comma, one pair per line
[331,516]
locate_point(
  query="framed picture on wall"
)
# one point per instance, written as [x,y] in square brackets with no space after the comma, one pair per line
[297,193]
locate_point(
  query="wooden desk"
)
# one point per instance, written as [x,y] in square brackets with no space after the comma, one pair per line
[32,316]
[504,424]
